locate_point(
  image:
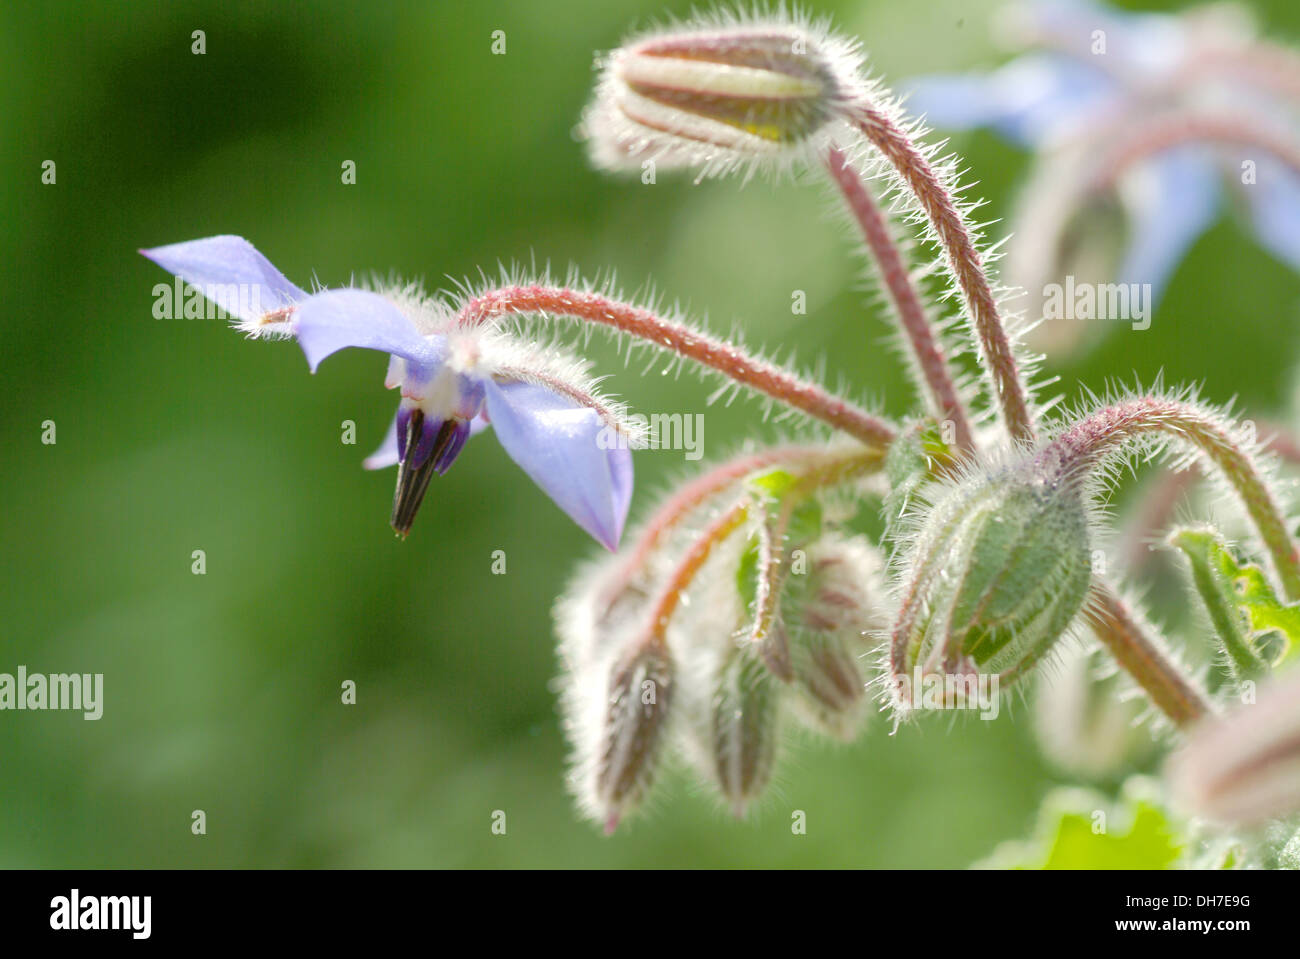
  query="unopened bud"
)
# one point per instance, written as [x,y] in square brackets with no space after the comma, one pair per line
[828,638]
[640,687]
[999,568]
[1083,721]
[1244,767]
[719,95]
[744,728]
[831,688]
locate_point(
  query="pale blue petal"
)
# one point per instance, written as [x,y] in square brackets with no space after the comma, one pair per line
[1027,101]
[386,455]
[1138,43]
[1176,198]
[560,446]
[231,273]
[337,319]
[1274,200]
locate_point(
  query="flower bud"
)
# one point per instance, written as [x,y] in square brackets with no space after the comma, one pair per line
[1244,767]
[744,728]
[719,95]
[998,569]
[1083,721]
[632,737]
[828,631]
[831,688]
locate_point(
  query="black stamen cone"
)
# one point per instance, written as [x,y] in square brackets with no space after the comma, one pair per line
[413,481]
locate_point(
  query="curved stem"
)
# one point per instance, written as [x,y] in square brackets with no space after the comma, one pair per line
[1087,441]
[831,471]
[1148,137]
[702,488]
[929,356]
[697,555]
[964,264]
[1143,658]
[591,307]
[1155,509]
[686,499]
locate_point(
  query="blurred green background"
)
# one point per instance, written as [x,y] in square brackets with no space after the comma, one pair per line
[222,690]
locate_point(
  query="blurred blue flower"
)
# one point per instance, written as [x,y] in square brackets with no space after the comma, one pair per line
[1093,76]
[451,387]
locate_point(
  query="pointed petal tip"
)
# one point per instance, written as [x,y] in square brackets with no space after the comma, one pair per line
[611,823]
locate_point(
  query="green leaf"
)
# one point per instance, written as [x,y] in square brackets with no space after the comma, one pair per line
[805,526]
[1079,829]
[1241,602]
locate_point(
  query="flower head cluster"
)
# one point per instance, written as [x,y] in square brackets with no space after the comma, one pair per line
[733,614]
[1138,123]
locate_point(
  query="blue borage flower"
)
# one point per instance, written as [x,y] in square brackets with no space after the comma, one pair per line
[454,381]
[1096,75]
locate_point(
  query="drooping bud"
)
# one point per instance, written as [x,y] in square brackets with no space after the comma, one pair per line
[639,694]
[719,95]
[830,625]
[1244,767]
[996,572]
[744,727]
[1083,720]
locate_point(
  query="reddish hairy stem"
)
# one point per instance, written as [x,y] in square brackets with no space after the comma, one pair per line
[1263,64]
[1149,137]
[1158,501]
[1144,660]
[697,555]
[687,498]
[698,491]
[833,470]
[707,350]
[964,263]
[1083,444]
[911,314]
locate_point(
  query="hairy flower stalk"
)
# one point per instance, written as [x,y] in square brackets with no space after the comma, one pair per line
[1090,441]
[1141,140]
[766,632]
[730,361]
[928,353]
[964,262]
[694,493]
[1143,656]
